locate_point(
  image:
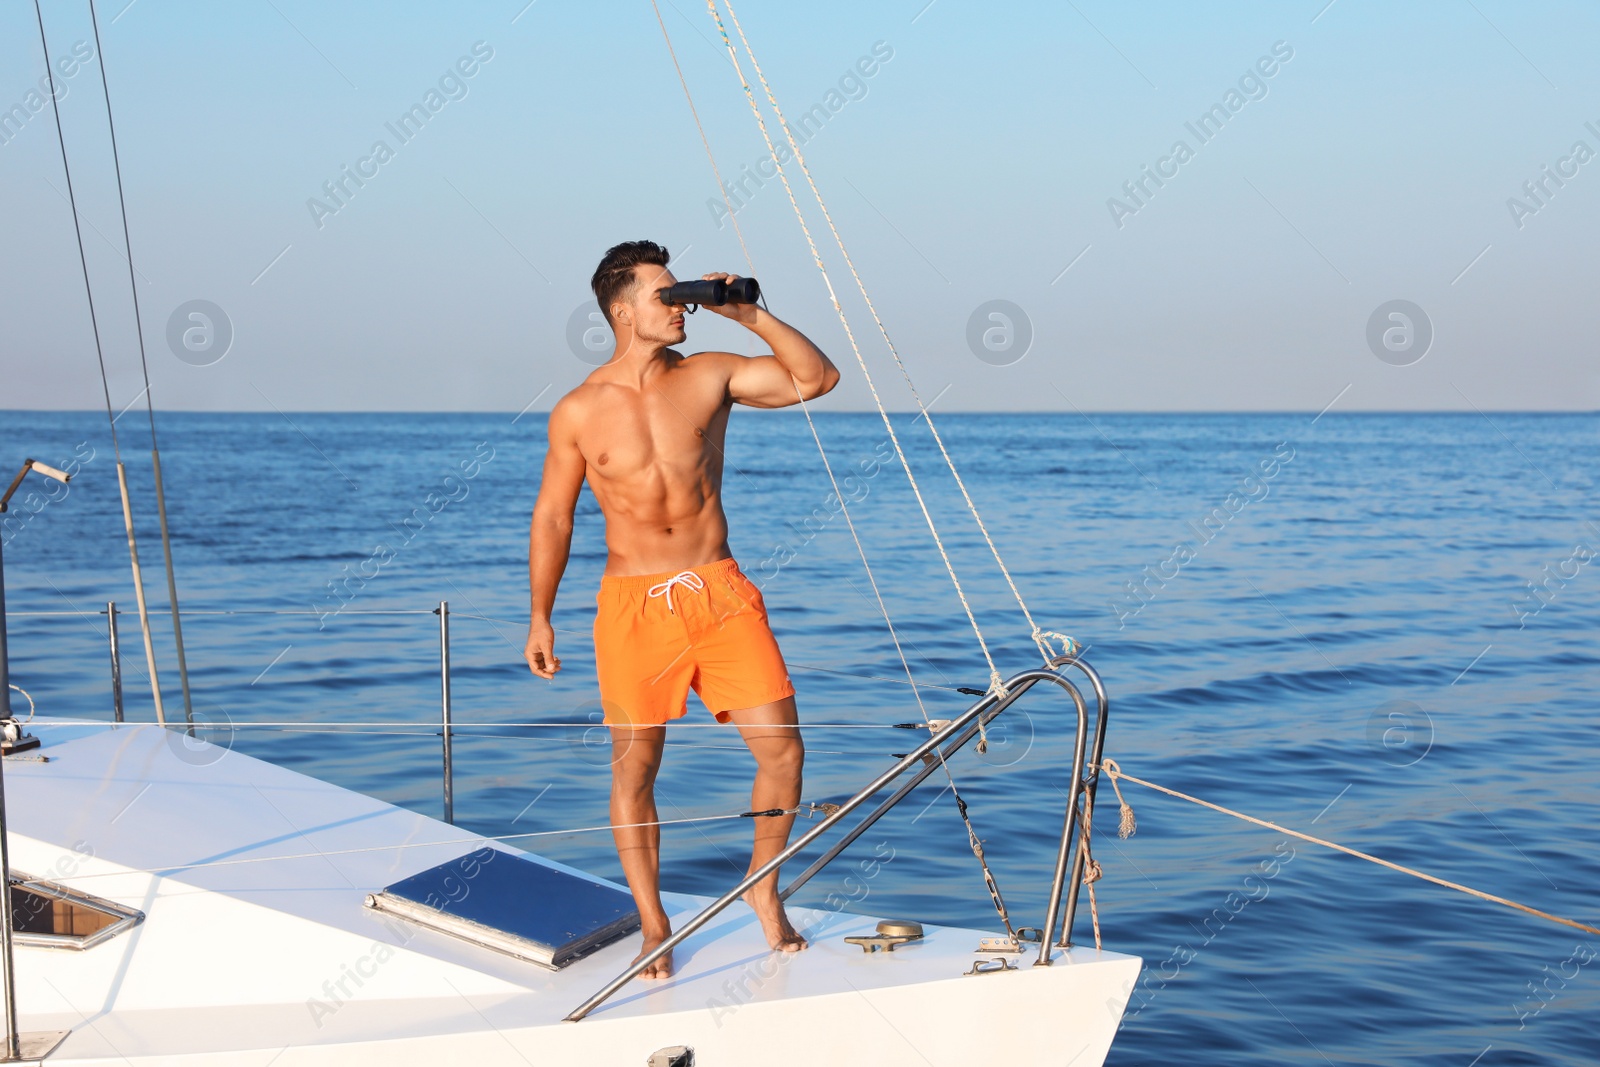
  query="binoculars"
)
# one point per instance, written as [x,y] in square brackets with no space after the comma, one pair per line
[712,294]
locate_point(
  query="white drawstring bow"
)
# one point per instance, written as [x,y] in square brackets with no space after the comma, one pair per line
[688,578]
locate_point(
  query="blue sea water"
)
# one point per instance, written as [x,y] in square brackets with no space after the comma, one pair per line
[1333,629]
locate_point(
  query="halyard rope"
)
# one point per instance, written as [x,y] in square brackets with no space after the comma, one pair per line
[716,172]
[996,683]
[144,366]
[1041,638]
[805,408]
[105,382]
[1114,772]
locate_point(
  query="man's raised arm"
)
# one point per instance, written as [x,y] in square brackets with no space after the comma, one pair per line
[550,536]
[796,370]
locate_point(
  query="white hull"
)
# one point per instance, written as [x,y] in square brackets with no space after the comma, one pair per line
[257,958]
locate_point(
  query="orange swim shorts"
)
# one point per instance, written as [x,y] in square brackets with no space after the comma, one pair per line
[656,636]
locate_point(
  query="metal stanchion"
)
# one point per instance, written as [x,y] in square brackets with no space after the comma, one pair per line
[8,981]
[12,1050]
[116,661]
[444,703]
[16,1046]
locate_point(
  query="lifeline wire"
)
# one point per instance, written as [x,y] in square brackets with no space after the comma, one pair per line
[417,727]
[1115,772]
[105,384]
[163,871]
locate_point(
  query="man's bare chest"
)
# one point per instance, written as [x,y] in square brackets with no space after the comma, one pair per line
[657,432]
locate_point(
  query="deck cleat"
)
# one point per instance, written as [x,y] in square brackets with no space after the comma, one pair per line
[891,932]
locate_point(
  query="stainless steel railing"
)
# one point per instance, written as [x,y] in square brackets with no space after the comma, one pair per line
[960,731]
[446,727]
[447,777]
[1070,859]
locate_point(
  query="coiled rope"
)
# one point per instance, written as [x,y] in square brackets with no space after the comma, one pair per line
[1114,772]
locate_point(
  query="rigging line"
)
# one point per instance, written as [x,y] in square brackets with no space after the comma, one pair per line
[892,681]
[972,836]
[586,633]
[822,452]
[721,188]
[804,406]
[1115,772]
[811,425]
[94,320]
[997,684]
[144,366]
[1040,637]
[456,735]
[105,383]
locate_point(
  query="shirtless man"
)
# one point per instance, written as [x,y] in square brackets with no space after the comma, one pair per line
[674,611]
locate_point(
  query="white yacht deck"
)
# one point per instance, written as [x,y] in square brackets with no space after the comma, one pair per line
[264,952]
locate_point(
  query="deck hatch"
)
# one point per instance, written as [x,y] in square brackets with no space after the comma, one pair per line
[500,900]
[45,914]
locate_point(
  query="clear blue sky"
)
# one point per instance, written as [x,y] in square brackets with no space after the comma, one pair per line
[975,164]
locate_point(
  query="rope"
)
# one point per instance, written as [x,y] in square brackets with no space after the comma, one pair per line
[1091,866]
[105,383]
[721,188]
[996,683]
[1040,637]
[144,366]
[25,693]
[221,727]
[805,408]
[962,689]
[94,320]
[973,840]
[1127,825]
[1115,772]
[911,681]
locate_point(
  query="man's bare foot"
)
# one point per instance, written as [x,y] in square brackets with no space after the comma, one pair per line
[660,968]
[781,935]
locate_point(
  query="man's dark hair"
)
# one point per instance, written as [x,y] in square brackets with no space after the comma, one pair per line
[614,276]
